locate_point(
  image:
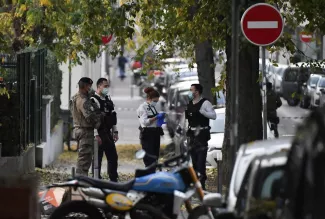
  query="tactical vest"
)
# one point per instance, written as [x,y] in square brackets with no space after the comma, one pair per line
[107,106]
[195,118]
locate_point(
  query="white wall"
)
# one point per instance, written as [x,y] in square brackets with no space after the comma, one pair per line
[87,69]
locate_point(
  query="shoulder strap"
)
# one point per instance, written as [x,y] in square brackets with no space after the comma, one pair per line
[151,108]
[99,101]
[200,103]
[97,98]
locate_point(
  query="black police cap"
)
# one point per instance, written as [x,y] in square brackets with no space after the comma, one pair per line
[86,80]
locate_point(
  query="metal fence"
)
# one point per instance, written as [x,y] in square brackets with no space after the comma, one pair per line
[24,77]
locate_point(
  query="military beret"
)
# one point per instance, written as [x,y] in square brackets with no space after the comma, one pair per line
[86,80]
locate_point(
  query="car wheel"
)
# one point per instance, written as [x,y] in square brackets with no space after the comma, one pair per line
[304,103]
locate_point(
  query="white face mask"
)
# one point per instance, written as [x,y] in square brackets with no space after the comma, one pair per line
[105,91]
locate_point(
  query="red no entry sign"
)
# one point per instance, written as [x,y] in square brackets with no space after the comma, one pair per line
[305,37]
[262,24]
[106,39]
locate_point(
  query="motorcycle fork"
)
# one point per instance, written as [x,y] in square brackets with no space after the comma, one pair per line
[199,189]
[196,182]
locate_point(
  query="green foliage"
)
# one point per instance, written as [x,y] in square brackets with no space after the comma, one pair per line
[70,28]
[4,91]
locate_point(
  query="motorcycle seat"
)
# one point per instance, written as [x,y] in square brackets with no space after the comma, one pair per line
[105,184]
[145,171]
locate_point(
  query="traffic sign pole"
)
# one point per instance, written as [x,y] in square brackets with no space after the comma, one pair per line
[264,95]
[262,25]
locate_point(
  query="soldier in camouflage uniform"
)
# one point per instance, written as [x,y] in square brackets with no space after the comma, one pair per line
[86,117]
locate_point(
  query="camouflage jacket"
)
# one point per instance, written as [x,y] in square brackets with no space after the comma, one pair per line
[85,113]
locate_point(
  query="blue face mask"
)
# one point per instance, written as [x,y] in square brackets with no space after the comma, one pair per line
[105,91]
[153,103]
[190,95]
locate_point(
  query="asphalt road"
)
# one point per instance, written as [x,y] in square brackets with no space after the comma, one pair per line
[290,117]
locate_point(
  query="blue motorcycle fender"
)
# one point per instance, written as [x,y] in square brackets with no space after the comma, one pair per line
[160,182]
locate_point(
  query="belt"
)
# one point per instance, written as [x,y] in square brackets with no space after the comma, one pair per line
[200,128]
[80,127]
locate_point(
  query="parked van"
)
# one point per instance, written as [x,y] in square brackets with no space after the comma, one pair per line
[294,78]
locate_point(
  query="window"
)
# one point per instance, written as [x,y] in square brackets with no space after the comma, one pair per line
[267,183]
[322,83]
[313,80]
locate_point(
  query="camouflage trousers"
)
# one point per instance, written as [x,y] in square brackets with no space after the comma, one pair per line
[85,138]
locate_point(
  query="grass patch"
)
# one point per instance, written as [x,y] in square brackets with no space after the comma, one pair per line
[125,152]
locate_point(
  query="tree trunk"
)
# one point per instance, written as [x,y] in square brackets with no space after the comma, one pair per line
[250,102]
[205,66]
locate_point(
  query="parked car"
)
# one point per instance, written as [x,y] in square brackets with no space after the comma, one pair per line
[308,90]
[315,98]
[264,186]
[293,79]
[177,74]
[217,132]
[259,163]
[276,74]
[177,103]
[245,155]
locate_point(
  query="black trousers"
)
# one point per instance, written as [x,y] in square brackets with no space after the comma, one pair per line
[108,147]
[199,157]
[150,141]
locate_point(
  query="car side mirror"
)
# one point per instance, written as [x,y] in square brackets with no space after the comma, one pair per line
[213,200]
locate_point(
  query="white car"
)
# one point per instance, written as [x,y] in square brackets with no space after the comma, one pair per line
[245,155]
[217,132]
[217,135]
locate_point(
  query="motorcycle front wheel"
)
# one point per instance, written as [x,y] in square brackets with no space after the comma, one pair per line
[76,209]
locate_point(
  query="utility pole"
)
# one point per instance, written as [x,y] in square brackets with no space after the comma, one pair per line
[234,82]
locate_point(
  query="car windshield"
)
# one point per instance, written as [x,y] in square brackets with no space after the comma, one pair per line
[218,125]
[322,83]
[314,80]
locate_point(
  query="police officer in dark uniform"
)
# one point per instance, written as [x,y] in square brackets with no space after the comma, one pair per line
[198,113]
[273,103]
[107,133]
